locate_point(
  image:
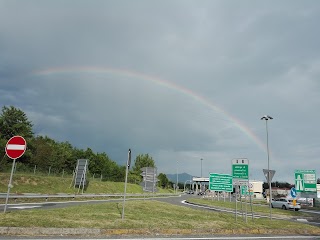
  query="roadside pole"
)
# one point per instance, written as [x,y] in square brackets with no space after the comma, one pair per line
[251,206]
[125,183]
[236,192]
[15,148]
[246,197]
[9,186]
[241,203]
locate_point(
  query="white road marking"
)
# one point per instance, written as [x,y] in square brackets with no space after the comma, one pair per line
[24,207]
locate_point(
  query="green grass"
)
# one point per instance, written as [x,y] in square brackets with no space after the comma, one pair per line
[141,216]
[29,183]
[148,215]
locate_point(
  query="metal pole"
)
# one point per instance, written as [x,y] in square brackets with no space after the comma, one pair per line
[245,197]
[124,195]
[201,166]
[251,205]
[9,185]
[177,179]
[125,183]
[269,181]
[236,189]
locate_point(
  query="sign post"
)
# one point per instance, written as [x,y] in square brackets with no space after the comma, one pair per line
[15,148]
[240,171]
[240,176]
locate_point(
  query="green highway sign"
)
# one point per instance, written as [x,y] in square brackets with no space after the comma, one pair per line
[244,190]
[305,180]
[240,171]
[220,182]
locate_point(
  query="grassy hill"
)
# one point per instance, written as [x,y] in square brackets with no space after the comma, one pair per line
[29,183]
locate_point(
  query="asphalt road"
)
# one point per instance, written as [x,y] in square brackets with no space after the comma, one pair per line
[177,200]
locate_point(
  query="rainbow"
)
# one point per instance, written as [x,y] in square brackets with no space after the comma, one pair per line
[161,82]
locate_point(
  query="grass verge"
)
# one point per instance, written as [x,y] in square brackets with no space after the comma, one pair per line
[29,183]
[148,217]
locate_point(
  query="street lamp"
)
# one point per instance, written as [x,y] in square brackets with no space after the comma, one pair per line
[266,118]
[201,166]
[177,178]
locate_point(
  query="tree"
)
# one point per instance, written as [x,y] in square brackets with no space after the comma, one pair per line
[142,160]
[14,122]
[163,180]
[42,151]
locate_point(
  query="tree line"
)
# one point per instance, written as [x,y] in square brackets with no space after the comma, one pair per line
[43,152]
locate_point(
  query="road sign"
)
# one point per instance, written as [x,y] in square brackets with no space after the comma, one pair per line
[293,192]
[240,171]
[271,174]
[305,180]
[245,191]
[150,179]
[16,146]
[220,182]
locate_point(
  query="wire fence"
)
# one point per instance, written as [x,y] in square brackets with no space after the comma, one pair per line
[20,168]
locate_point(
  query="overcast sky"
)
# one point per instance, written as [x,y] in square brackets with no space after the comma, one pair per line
[179,80]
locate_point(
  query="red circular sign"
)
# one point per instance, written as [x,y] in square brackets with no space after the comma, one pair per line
[16,146]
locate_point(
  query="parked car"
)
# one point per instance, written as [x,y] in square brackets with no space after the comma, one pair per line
[201,193]
[285,204]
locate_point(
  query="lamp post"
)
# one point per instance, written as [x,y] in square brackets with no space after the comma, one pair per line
[177,179]
[266,118]
[125,183]
[201,166]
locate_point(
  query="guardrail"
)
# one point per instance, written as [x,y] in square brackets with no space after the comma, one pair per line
[62,195]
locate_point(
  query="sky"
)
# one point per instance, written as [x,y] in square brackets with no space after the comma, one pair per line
[179,80]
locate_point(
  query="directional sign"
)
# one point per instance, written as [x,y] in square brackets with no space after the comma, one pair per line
[240,171]
[293,192]
[220,182]
[271,174]
[245,191]
[16,146]
[305,180]
[150,179]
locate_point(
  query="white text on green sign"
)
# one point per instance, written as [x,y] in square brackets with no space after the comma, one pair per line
[305,180]
[220,182]
[240,171]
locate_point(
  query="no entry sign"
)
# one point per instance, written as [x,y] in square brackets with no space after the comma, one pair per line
[16,146]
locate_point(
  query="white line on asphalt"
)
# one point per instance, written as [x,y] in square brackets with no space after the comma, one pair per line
[24,207]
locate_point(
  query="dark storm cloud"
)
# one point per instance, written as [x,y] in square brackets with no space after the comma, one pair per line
[247,58]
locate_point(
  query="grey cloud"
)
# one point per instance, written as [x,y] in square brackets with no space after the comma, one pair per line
[248,58]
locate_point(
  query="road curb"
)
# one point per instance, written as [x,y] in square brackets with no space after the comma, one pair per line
[95,232]
[38,231]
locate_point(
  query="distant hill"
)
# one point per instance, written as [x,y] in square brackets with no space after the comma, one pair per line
[182,177]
